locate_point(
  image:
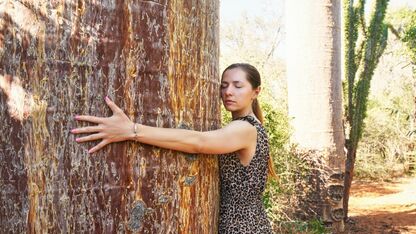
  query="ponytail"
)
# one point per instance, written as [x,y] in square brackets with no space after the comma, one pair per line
[271,173]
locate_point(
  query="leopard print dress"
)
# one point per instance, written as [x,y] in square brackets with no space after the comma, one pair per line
[241,206]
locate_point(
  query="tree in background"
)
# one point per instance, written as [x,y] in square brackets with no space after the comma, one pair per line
[315,100]
[364,44]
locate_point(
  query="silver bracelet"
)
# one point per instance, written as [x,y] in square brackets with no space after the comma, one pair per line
[136,131]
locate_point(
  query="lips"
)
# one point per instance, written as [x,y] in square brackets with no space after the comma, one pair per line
[229,102]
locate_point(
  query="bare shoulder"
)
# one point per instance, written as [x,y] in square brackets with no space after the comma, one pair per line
[240,127]
[236,135]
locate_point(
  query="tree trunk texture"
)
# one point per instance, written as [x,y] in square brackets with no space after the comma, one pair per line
[349,174]
[315,98]
[158,60]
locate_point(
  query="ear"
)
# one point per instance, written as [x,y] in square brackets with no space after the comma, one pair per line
[256,92]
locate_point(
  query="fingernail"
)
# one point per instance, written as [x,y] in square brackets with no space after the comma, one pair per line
[90,151]
[106,98]
[76,117]
[73,131]
[77,139]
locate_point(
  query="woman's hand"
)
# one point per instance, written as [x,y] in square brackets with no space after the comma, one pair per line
[112,129]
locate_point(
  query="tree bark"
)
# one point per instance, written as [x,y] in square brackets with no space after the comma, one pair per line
[349,176]
[158,60]
[315,101]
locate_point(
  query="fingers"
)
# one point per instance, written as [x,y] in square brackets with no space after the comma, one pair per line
[96,129]
[88,129]
[98,147]
[112,105]
[89,118]
[92,137]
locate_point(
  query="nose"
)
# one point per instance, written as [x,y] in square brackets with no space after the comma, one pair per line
[228,91]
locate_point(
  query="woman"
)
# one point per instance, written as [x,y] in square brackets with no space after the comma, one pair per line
[242,145]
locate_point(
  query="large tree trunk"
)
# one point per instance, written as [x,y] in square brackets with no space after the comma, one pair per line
[315,98]
[158,60]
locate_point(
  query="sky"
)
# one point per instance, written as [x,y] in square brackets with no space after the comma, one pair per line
[402,3]
[231,10]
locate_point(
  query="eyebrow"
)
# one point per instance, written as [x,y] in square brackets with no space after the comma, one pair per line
[234,82]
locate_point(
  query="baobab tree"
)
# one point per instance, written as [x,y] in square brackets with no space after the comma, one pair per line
[158,60]
[315,96]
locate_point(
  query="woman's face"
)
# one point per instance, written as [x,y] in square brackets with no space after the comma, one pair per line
[236,91]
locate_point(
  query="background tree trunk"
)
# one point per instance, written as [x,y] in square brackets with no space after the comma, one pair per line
[158,60]
[315,96]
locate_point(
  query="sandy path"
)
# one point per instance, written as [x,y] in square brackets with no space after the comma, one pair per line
[383,207]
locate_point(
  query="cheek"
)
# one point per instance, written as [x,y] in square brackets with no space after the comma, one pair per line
[222,94]
[243,93]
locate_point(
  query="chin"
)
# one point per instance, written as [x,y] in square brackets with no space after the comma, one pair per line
[231,109]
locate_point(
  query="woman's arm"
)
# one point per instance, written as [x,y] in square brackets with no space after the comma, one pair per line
[235,136]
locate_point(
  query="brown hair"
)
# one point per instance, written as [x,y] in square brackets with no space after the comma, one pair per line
[253,77]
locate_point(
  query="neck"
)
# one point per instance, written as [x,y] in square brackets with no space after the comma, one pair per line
[242,113]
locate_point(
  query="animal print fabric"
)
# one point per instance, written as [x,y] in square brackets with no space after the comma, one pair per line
[241,188]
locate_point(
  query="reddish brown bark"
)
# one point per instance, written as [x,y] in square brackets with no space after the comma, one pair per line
[349,174]
[158,60]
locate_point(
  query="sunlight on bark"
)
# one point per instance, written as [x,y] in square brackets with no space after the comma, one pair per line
[19,102]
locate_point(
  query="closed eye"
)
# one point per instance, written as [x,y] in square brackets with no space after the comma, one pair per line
[238,84]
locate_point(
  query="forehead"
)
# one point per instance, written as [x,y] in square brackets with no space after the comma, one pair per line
[235,74]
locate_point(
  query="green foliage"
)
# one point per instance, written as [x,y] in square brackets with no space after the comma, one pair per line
[314,226]
[364,46]
[409,35]
[276,123]
[225,116]
[388,146]
[403,24]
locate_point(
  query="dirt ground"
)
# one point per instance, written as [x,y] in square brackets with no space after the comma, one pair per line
[383,207]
